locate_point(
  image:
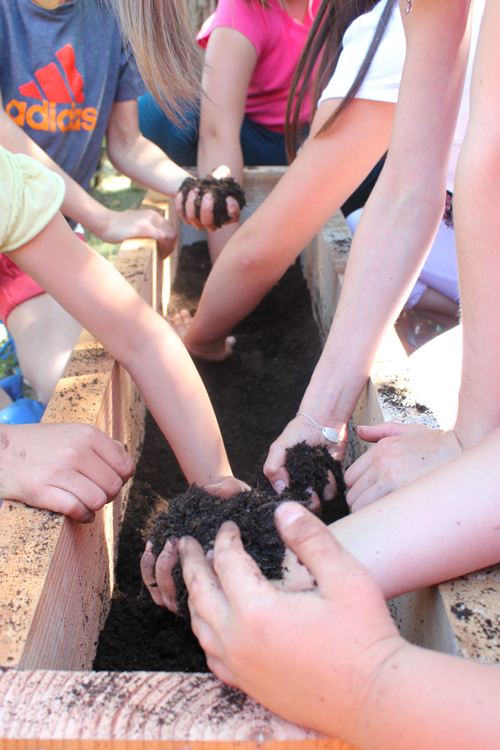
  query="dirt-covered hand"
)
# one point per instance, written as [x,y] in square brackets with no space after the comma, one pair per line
[296,431]
[211,202]
[157,572]
[124,225]
[215,351]
[402,453]
[73,469]
[312,657]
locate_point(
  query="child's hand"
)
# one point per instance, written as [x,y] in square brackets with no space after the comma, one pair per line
[206,219]
[298,430]
[403,453]
[157,574]
[215,351]
[73,469]
[312,657]
[117,226]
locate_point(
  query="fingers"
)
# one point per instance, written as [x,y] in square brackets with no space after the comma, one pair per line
[314,545]
[84,489]
[238,574]
[274,468]
[226,488]
[113,454]
[163,572]
[233,209]
[148,576]
[62,501]
[330,490]
[376,432]
[220,670]
[207,212]
[206,597]
[190,210]
[100,474]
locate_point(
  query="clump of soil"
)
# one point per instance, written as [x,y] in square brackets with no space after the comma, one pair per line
[221,188]
[199,514]
[255,394]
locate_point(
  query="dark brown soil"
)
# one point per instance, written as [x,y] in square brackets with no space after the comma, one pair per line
[199,514]
[220,188]
[255,394]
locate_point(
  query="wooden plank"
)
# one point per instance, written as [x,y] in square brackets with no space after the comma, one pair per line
[55,574]
[140,706]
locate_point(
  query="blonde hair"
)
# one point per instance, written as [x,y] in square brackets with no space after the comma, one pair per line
[162,38]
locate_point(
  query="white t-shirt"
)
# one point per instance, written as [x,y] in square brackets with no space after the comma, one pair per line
[382,81]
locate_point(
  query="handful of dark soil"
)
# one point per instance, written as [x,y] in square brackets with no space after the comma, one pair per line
[220,188]
[198,514]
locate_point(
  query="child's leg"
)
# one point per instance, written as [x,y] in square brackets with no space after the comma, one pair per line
[45,335]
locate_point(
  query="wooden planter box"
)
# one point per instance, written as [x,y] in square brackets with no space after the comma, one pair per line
[56,576]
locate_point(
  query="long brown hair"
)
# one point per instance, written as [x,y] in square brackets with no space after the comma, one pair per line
[325,42]
[162,38]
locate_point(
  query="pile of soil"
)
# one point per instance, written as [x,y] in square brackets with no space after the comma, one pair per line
[255,394]
[199,514]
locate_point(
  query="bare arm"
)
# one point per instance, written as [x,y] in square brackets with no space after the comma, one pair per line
[230,60]
[138,338]
[323,176]
[110,226]
[476,201]
[135,156]
[399,222]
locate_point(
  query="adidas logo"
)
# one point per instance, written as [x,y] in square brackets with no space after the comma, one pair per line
[53,88]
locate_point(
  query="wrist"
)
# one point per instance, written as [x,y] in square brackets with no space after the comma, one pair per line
[96,220]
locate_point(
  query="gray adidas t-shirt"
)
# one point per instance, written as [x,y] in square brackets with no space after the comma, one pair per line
[60,73]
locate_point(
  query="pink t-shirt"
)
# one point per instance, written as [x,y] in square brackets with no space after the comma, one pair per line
[278,39]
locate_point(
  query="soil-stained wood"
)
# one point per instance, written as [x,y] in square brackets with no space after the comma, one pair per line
[139,706]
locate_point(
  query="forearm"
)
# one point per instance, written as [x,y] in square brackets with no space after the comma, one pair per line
[434,528]
[177,399]
[94,293]
[476,199]
[385,260]
[424,699]
[402,214]
[300,204]
[145,163]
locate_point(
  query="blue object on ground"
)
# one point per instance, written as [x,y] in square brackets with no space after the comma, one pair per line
[23,411]
[13,386]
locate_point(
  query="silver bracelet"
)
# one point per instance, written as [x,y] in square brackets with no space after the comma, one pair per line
[328,432]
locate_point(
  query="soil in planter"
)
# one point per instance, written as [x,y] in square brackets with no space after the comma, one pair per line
[199,514]
[255,394]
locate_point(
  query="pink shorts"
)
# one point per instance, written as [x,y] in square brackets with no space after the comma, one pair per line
[16,286]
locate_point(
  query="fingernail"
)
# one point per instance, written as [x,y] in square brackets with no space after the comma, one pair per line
[310,491]
[287,513]
[207,198]
[182,544]
[149,546]
[279,486]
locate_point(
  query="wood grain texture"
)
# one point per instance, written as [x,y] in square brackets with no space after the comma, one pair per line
[55,574]
[138,706]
